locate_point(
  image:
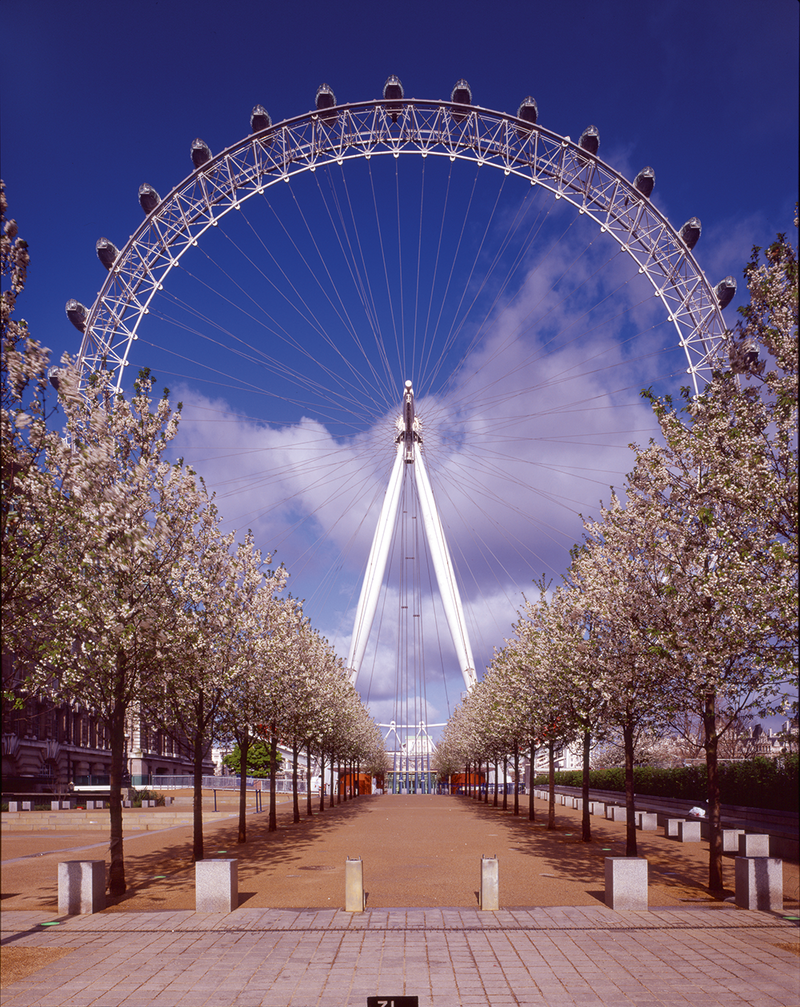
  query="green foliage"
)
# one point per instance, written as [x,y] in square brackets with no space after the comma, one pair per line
[752,783]
[258,760]
[137,796]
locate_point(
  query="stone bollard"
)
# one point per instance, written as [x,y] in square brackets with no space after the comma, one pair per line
[688,832]
[90,805]
[127,804]
[81,887]
[620,814]
[577,803]
[626,882]
[490,884]
[216,886]
[27,805]
[55,805]
[354,885]
[648,821]
[759,884]
[671,828]
[753,845]
[13,806]
[597,808]
[730,840]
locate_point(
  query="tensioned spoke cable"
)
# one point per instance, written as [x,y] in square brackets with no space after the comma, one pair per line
[295,344]
[431,378]
[359,277]
[340,312]
[385,267]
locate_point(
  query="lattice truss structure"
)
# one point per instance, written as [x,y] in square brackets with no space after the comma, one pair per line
[274,154]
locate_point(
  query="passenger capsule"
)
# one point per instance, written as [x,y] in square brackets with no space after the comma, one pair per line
[645,181]
[107,252]
[528,110]
[76,313]
[200,153]
[259,119]
[325,100]
[724,291]
[750,354]
[148,197]
[462,95]
[690,232]
[590,139]
[392,93]
[53,376]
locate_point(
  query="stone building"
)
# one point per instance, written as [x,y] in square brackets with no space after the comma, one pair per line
[51,746]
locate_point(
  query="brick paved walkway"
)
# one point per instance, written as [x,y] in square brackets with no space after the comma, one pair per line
[462,957]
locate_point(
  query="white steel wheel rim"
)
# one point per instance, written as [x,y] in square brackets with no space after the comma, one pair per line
[317,142]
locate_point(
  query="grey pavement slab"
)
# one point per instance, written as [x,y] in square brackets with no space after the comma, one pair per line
[575,955]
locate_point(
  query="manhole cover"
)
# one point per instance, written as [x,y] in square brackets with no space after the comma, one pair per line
[316,867]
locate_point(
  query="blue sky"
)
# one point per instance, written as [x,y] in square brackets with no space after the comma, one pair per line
[100,97]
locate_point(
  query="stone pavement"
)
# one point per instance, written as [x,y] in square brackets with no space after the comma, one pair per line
[461,957]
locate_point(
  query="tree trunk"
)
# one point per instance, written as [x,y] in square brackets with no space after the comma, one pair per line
[309,812]
[551,779]
[244,748]
[516,778]
[630,804]
[273,759]
[295,791]
[197,797]
[586,822]
[330,797]
[496,774]
[712,770]
[505,777]
[116,873]
[531,809]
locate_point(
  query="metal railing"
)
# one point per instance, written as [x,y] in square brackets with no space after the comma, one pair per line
[282,786]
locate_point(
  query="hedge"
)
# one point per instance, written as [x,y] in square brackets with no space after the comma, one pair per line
[751,783]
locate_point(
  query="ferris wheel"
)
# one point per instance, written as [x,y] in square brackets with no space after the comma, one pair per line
[410,336]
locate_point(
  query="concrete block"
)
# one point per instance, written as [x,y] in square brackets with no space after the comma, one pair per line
[216,886]
[81,887]
[127,804]
[626,882]
[55,805]
[354,885]
[671,828]
[753,845]
[490,884]
[610,811]
[597,808]
[27,805]
[688,832]
[648,821]
[759,884]
[90,805]
[577,803]
[620,814]
[14,806]
[730,840]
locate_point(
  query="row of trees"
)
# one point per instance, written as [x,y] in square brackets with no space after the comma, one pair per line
[679,608]
[120,591]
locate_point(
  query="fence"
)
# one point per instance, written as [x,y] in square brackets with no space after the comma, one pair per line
[282,786]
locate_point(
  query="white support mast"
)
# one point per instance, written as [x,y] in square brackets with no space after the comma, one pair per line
[408,436]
